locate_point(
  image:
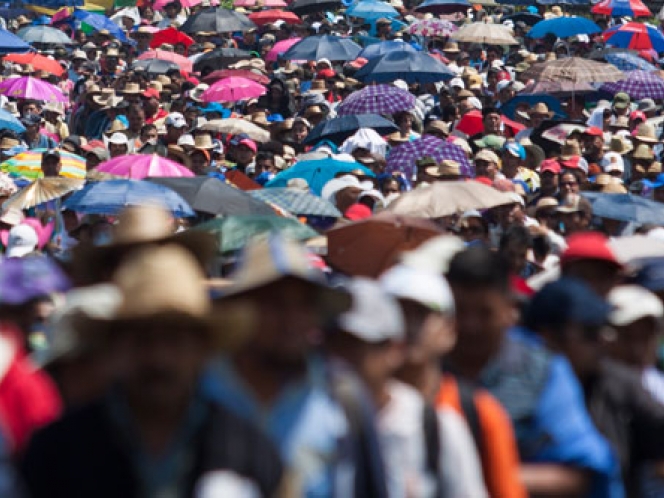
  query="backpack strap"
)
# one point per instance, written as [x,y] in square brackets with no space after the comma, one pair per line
[470,412]
[432,444]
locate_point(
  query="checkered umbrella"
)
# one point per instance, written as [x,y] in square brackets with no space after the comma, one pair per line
[638,85]
[574,70]
[432,27]
[377,99]
[296,201]
[403,158]
[626,61]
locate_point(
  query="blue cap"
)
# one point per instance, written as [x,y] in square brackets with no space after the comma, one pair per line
[275,118]
[216,107]
[515,148]
[658,183]
[532,9]
[651,275]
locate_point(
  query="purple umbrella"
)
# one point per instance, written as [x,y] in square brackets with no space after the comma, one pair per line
[403,158]
[638,85]
[377,99]
[31,88]
[23,279]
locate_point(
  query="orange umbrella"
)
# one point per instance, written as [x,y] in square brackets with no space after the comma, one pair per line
[184,63]
[37,61]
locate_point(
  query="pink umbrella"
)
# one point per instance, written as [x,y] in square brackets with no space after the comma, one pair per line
[31,88]
[233,89]
[165,55]
[267,3]
[139,166]
[279,48]
[160,4]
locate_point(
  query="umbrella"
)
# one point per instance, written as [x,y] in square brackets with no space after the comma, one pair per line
[236,73]
[412,68]
[113,196]
[234,232]
[28,87]
[443,6]
[372,9]
[480,32]
[619,8]
[510,107]
[564,27]
[313,48]
[155,66]
[377,99]
[37,61]
[448,198]
[267,3]
[403,158]
[10,122]
[297,201]
[369,247]
[339,129]
[636,247]
[628,207]
[236,126]
[28,164]
[232,90]
[384,47]
[559,88]
[220,58]
[627,61]
[216,20]
[45,35]
[138,166]
[525,17]
[317,173]
[561,131]
[303,7]
[638,85]
[24,279]
[165,55]
[40,191]
[575,70]
[601,53]
[99,22]
[9,42]
[279,48]
[636,36]
[171,36]
[433,27]
[270,16]
[160,4]
[213,196]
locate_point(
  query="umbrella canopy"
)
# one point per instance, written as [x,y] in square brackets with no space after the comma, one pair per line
[42,190]
[369,247]
[560,132]
[10,122]
[9,42]
[403,158]
[220,58]
[160,4]
[574,70]
[297,201]
[267,3]
[37,61]
[448,198]
[313,48]
[618,8]
[480,32]
[377,99]
[45,35]
[384,47]
[236,126]
[525,17]
[213,196]
[601,53]
[443,6]
[139,166]
[279,48]
[236,73]
[339,129]
[633,248]
[172,36]
[270,16]
[28,165]
[412,68]
[234,232]
[638,85]
[28,87]
[372,9]
[628,207]
[112,196]
[433,27]
[216,20]
[155,66]
[317,173]
[636,36]
[564,27]
[165,55]
[99,22]
[510,107]
[559,88]
[23,279]
[302,7]
[232,90]
[627,61]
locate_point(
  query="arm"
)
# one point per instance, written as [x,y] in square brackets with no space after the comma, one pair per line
[553,480]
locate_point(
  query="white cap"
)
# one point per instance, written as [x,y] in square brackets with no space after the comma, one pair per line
[175,119]
[374,316]
[335,185]
[631,303]
[475,102]
[501,85]
[612,161]
[400,84]
[457,82]
[425,287]
[23,240]
[186,139]
[118,139]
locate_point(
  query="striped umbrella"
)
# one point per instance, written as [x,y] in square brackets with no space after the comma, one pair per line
[28,165]
[635,36]
[618,8]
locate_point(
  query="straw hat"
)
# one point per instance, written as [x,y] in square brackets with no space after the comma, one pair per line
[178,154]
[318,86]
[396,138]
[620,145]
[445,169]
[260,118]
[313,110]
[197,91]
[540,109]
[203,141]
[643,151]
[107,99]
[451,47]
[645,132]
[131,89]
[117,126]
[9,143]
[570,149]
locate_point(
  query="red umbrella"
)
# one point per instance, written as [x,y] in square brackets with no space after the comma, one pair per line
[472,123]
[269,16]
[184,63]
[172,36]
[616,8]
[37,61]
[220,74]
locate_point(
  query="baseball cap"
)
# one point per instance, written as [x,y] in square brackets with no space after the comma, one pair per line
[612,161]
[502,85]
[118,139]
[424,287]
[374,316]
[594,131]
[487,155]
[621,100]
[248,142]
[457,82]
[550,165]
[358,212]
[631,303]
[588,245]
[23,240]
[151,92]
[175,119]
[515,148]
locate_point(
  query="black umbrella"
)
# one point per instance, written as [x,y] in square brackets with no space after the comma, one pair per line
[212,196]
[302,7]
[412,68]
[524,17]
[220,58]
[339,129]
[216,20]
[155,66]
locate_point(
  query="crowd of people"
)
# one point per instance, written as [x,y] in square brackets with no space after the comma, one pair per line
[513,349]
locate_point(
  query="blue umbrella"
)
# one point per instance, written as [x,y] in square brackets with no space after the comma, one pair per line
[111,197]
[24,279]
[99,22]
[443,6]
[628,207]
[313,48]
[10,122]
[509,108]
[11,44]
[526,17]
[55,4]
[45,35]
[384,47]
[411,67]
[339,129]
[317,173]
[563,2]
[564,27]
[372,9]
[627,61]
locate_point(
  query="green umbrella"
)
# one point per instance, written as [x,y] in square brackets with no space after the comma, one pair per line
[233,232]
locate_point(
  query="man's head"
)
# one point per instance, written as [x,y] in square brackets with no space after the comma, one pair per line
[245,151]
[549,176]
[574,214]
[51,163]
[176,126]
[514,245]
[486,164]
[589,258]
[492,121]
[514,156]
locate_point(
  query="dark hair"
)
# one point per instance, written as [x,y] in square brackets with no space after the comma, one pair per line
[489,110]
[147,127]
[264,155]
[516,235]
[479,267]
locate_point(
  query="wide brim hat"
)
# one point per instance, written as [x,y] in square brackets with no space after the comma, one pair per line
[131,89]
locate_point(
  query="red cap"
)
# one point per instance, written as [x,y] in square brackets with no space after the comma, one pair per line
[588,245]
[151,92]
[502,76]
[594,131]
[520,288]
[248,142]
[634,115]
[550,165]
[358,212]
[325,74]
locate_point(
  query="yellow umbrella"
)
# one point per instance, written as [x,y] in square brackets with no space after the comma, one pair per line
[40,191]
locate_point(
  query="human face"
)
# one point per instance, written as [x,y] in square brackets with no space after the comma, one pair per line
[510,165]
[199,163]
[244,155]
[91,161]
[390,187]
[51,166]
[472,230]
[115,150]
[486,168]
[636,344]
[547,217]
[173,133]
[265,166]
[601,276]
[136,120]
[508,214]
[549,183]
[345,198]
[492,123]
[582,346]
[300,132]
[569,184]
[30,109]
[150,136]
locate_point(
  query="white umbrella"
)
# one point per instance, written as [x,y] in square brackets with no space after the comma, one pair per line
[490,34]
